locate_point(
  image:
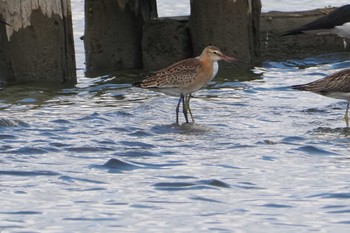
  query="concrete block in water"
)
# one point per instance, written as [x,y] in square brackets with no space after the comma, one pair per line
[113,34]
[233,26]
[277,47]
[38,46]
[165,41]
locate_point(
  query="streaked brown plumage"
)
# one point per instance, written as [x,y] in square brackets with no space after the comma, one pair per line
[336,85]
[185,77]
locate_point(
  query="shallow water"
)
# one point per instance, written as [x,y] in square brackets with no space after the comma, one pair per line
[106,157]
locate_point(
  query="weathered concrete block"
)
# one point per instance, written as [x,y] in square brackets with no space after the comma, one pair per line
[277,47]
[165,41]
[6,73]
[38,46]
[113,34]
[233,26]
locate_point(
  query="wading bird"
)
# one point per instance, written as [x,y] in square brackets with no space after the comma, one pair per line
[336,85]
[185,77]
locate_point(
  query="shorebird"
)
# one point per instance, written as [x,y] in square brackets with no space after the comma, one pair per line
[336,85]
[185,77]
[336,22]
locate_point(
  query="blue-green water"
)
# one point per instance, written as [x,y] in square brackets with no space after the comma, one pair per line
[106,157]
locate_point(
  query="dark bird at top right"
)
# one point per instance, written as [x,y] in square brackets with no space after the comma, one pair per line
[336,22]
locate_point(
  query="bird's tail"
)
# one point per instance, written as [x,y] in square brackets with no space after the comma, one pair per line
[299,87]
[138,84]
[292,32]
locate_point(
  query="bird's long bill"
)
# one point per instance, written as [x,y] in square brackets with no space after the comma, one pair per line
[229,59]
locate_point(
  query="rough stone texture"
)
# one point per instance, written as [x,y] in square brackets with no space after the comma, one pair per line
[273,46]
[233,26]
[165,41]
[113,34]
[39,44]
[276,47]
[6,73]
[18,13]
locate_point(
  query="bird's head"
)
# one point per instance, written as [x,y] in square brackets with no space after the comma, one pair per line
[215,54]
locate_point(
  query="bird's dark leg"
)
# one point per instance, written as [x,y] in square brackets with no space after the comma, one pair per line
[184,108]
[188,97]
[347,115]
[178,109]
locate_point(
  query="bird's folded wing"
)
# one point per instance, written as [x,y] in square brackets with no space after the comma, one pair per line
[337,82]
[176,75]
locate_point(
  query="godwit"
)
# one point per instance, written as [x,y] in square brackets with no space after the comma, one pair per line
[336,22]
[185,77]
[336,85]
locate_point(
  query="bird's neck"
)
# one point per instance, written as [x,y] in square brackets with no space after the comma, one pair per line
[207,67]
[206,62]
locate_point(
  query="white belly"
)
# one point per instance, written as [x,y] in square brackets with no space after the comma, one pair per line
[215,70]
[343,30]
[339,95]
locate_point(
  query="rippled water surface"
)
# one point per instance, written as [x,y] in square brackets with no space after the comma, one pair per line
[106,157]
